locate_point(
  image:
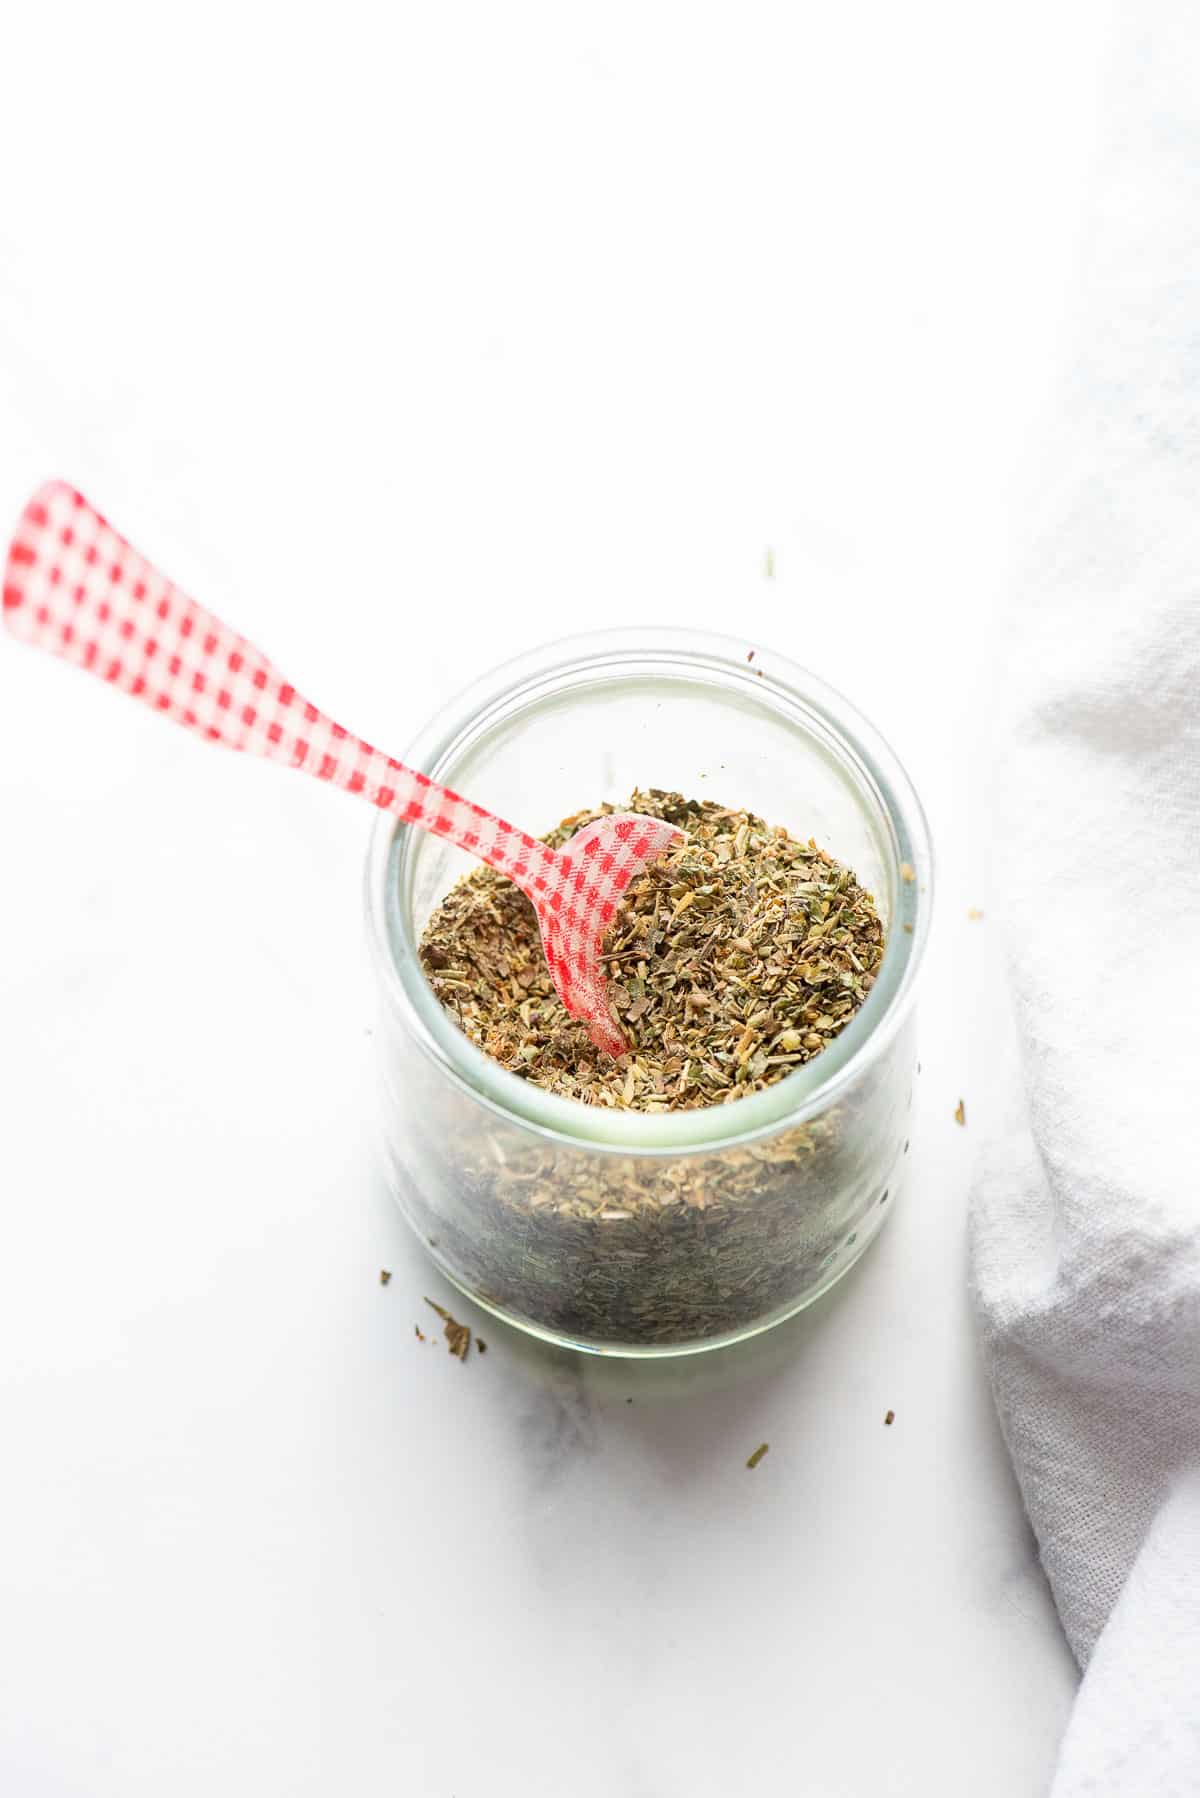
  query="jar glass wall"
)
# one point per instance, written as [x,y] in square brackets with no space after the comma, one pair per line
[622,1231]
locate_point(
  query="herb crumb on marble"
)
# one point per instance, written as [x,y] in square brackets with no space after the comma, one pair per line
[457,1335]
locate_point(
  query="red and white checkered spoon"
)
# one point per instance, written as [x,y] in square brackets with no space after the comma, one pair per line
[73,586]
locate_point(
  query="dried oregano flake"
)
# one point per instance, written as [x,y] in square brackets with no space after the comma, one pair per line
[457,1335]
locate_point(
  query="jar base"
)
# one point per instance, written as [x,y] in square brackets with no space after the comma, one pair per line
[840,1261]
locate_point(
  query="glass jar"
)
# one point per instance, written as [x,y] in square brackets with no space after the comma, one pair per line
[624,1232]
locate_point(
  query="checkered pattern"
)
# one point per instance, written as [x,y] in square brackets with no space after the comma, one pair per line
[73,586]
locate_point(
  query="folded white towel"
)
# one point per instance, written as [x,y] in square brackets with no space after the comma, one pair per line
[1086,1219]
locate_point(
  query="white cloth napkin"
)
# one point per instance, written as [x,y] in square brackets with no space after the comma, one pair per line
[1086,1214]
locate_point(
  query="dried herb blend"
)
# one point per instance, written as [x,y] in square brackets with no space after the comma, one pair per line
[737,957]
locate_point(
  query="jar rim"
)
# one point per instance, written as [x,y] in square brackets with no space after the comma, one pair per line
[808,1090]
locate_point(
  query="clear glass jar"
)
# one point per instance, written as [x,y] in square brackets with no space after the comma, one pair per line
[617,1231]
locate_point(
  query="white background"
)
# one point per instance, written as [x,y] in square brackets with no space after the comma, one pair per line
[407,338]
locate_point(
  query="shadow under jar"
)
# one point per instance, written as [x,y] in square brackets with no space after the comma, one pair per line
[625,1232]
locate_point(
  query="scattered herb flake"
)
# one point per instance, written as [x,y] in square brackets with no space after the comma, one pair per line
[385,1274]
[481,1345]
[890,1418]
[758,1454]
[960,1113]
[457,1335]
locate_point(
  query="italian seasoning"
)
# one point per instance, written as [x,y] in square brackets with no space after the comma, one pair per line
[735,958]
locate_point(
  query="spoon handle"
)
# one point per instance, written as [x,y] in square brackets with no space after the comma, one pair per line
[74,587]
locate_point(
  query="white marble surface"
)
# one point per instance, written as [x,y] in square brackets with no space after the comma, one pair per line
[404,341]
